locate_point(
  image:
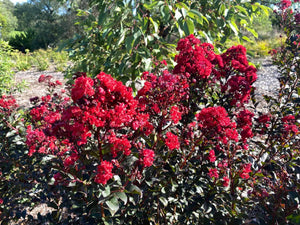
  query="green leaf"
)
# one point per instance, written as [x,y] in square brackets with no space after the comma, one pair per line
[113,205]
[106,191]
[150,6]
[102,18]
[252,31]
[233,27]
[163,200]
[193,13]
[222,9]
[129,43]
[247,39]
[135,189]
[121,38]
[242,9]
[265,9]
[188,27]
[122,196]
[154,24]
[181,5]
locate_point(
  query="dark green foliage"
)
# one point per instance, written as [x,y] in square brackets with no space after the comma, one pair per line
[43,24]
[23,40]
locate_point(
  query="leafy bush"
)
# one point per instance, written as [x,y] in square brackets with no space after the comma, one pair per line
[23,40]
[7,82]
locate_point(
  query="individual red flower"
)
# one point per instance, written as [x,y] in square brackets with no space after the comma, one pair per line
[147,157]
[164,62]
[58,82]
[41,78]
[104,172]
[172,141]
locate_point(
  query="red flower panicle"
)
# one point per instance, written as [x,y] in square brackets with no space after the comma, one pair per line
[246,170]
[214,122]
[213,173]
[104,172]
[175,114]
[147,157]
[172,141]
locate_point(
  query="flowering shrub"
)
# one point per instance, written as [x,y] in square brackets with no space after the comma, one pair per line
[188,147]
[180,151]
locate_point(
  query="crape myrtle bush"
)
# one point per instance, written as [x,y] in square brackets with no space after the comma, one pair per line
[187,149]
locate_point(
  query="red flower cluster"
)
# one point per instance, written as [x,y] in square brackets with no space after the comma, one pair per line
[172,141]
[231,69]
[104,172]
[289,125]
[83,86]
[194,58]
[246,170]
[147,157]
[213,173]
[103,109]
[215,123]
[239,76]
[7,104]
[161,92]
[175,114]
[284,4]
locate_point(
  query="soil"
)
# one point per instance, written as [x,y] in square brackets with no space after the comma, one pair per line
[33,87]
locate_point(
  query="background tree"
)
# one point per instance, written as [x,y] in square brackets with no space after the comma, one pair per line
[123,37]
[43,23]
[8,21]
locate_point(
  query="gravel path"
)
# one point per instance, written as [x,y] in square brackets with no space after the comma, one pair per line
[34,88]
[267,82]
